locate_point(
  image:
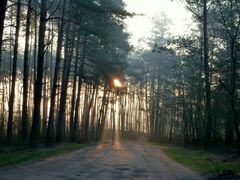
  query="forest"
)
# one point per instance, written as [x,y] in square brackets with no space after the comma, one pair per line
[68,73]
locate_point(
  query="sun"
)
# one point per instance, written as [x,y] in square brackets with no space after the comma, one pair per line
[117,83]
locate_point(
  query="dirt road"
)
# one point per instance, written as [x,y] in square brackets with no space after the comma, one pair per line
[104,162]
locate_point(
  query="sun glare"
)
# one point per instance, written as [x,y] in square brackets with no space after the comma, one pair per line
[117,83]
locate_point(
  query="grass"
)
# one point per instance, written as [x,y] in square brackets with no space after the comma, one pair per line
[201,161]
[24,155]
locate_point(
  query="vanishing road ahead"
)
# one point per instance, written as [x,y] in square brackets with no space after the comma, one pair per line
[104,162]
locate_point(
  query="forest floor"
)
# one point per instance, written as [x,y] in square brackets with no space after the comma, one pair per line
[215,163]
[17,154]
[126,160]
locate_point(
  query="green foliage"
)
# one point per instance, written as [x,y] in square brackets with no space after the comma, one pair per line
[19,156]
[107,47]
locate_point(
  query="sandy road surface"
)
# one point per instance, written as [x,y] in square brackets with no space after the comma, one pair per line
[103,162]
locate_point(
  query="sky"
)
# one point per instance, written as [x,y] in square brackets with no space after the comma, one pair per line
[140,26]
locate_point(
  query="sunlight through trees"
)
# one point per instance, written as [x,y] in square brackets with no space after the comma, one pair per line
[69,74]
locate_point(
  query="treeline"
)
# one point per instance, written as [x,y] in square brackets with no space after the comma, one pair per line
[57,62]
[189,90]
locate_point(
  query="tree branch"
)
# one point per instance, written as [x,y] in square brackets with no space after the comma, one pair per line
[226,88]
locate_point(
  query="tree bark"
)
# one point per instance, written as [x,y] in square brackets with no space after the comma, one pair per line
[61,124]
[233,95]
[14,74]
[76,69]
[2,116]
[25,76]
[35,131]
[3,6]
[208,132]
[86,138]
[81,74]
[94,115]
[50,129]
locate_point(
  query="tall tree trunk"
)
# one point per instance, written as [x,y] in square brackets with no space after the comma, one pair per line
[147,108]
[87,115]
[2,116]
[30,94]
[98,131]
[198,110]
[94,115]
[35,46]
[81,74]
[152,107]
[208,132]
[76,68]
[3,6]
[14,74]
[86,93]
[102,119]
[113,118]
[184,115]
[50,129]
[233,94]
[76,116]
[105,110]
[35,131]
[25,76]
[61,125]
[45,106]
[47,79]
